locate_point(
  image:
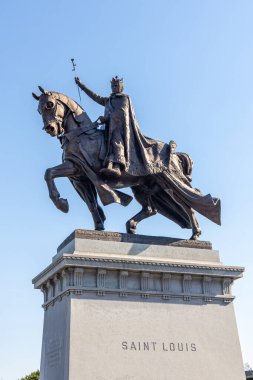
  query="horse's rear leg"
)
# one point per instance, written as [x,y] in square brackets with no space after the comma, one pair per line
[196,230]
[145,213]
[147,209]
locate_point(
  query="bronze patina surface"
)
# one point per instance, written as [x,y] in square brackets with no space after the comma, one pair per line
[100,161]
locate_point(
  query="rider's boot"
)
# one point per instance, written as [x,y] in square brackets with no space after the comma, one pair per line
[112,170]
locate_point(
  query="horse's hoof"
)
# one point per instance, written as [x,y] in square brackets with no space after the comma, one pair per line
[130,227]
[62,204]
[196,235]
[99,227]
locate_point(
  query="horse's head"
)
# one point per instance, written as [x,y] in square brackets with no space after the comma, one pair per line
[54,108]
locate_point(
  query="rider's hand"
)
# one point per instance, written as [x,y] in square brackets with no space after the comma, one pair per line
[102,119]
[77,80]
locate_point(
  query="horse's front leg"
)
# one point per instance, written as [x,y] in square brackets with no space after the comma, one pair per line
[66,169]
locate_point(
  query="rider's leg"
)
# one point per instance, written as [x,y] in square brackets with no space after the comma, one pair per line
[116,157]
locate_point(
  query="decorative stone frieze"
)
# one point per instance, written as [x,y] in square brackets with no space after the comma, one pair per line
[123,277]
[145,281]
[166,278]
[71,281]
[207,285]
[123,283]
[187,283]
[79,277]
[227,283]
[120,275]
[64,279]
[50,288]
[71,276]
[45,293]
[101,277]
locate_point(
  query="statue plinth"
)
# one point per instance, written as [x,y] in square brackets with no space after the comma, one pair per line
[119,306]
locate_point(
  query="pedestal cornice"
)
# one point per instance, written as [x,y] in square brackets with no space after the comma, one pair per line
[161,272]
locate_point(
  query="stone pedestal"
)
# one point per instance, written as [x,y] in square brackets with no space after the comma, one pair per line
[138,307]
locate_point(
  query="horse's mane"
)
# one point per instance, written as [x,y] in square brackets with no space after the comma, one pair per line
[78,112]
[70,103]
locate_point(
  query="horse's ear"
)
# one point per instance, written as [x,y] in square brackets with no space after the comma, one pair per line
[42,90]
[35,96]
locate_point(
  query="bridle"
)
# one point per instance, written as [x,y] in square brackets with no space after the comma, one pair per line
[61,121]
[68,107]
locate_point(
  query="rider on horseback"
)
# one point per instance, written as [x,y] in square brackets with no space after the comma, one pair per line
[113,118]
[127,149]
[159,176]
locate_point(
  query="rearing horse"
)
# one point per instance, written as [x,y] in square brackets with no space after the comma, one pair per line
[84,147]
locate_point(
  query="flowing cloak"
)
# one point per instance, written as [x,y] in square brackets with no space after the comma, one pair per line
[144,157]
[175,193]
[176,196]
[185,197]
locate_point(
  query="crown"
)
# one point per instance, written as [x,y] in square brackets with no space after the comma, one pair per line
[116,80]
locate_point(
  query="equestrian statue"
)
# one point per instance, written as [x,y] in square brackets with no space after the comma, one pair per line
[104,156]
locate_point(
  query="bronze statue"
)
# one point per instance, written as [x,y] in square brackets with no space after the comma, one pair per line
[102,161]
[127,150]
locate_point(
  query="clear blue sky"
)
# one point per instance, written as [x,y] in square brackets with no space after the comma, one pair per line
[188,67]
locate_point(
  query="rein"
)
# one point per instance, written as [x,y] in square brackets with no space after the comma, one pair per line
[65,119]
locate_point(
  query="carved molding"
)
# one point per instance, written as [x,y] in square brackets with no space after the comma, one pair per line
[74,281]
[67,261]
[207,285]
[136,293]
[64,276]
[123,277]
[227,284]
[187,283]
[71,276]
[101,273]
[145,281]
[153,263]
[79,277]
[166,278]
[45,293]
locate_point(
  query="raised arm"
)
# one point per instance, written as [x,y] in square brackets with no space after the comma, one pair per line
[99,99]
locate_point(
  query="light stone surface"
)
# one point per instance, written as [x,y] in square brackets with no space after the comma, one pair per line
[55,345]
[119,310]
[110,326]
[153,252]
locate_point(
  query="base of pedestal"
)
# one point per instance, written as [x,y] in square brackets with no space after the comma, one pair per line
[130,314]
